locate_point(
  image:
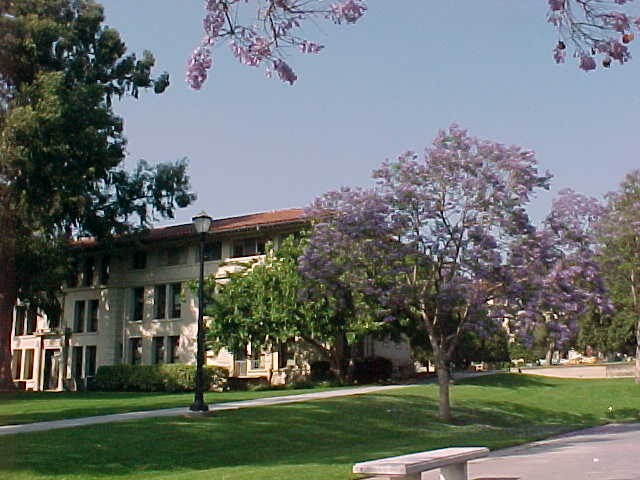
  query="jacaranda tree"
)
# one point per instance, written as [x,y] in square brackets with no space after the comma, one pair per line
[431,242]
[62,146]
[261,32]
[562,279]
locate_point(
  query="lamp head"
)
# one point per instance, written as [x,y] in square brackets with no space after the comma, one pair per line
[202,222]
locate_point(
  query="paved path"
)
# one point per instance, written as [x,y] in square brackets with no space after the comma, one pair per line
[214,407]
[611,452]
[172,412]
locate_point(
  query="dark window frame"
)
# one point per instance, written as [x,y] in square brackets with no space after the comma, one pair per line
[29,360]
[20,321]
[139,260]
[213,251]
[93,315]
[135,350]
[77,359]
[16,364]
[158,350]
[90,360]
[137,310]
[160,301]
[173,347]
[79,316]
[175,302]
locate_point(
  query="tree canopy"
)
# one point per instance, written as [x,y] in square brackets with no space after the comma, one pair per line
[62,146]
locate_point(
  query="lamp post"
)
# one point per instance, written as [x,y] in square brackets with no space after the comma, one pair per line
[201,223]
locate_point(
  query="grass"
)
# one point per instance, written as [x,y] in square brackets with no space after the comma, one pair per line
[28,407]
[319,440]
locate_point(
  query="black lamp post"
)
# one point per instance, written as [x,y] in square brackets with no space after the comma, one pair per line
[201,222]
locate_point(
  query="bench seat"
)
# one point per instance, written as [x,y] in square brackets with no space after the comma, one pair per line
[452,463]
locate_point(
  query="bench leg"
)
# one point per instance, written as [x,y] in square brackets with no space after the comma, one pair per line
[457,471]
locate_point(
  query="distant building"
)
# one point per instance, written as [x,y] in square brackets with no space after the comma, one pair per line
[130,304]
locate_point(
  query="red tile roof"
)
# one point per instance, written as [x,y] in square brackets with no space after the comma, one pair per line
[292,216]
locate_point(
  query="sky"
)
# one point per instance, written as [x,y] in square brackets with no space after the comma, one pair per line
[381,87]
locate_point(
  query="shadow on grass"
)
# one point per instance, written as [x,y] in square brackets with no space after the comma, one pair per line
[509,380]
[28,407]
[333,433]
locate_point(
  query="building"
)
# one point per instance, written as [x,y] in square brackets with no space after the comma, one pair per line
[131,304]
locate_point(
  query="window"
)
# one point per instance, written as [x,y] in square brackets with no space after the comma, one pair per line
[139,260]
[90,365]
[248,246]
[174,345]
[105,269]
[160,301]
[29,355]
[158,350]
[32,321]
[138,303]
[176,256]
[175,306]
[17,364]
[76,362]
[92,326]
[78,316]
[135,347]
[212,251]
[21,316]
[88,271]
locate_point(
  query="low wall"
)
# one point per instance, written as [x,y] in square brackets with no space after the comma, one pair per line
[613,370]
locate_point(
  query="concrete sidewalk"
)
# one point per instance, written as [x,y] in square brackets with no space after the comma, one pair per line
[214,407]
[172,412]
[611,452]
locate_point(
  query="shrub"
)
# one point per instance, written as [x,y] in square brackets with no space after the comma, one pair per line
[371,370]
[158,378]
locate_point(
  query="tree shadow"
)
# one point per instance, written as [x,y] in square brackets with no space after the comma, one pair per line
[509,380]
[331,434]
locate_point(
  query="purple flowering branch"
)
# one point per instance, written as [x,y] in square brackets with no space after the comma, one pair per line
[592,29]
[595,29]
[262,38]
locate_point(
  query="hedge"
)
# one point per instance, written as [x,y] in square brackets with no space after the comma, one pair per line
[174,377]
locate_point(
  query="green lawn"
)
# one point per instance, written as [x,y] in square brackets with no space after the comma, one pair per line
[319,440]
[28,407]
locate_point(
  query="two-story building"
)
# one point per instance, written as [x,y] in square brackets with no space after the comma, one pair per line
[129,302]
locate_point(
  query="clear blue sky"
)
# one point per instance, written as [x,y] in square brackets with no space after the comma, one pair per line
[381,87]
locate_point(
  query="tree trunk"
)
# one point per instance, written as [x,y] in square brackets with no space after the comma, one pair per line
[8,294]
[550,350]
[634,299]
[340,358]
[638,353]
[444,405]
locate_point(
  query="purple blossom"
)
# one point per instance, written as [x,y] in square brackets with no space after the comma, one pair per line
[347,11]
[587,63]
[284,71]
[197,67]
[260,35]
[595,28]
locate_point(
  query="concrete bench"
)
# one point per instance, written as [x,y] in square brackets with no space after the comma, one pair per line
[452,463]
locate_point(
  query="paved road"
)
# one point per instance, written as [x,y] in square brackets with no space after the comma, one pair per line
[611,452]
